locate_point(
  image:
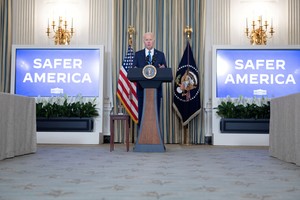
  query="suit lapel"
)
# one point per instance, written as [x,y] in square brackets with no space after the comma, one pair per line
[155,57]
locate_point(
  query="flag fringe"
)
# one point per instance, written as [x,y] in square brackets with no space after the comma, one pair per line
[184,123]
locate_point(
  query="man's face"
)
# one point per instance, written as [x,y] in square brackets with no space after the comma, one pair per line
[148,41]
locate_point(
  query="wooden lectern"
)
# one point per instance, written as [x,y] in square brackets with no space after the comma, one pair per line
[150,78]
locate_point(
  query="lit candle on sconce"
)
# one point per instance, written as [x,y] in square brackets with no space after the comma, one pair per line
[271,22]
[259,33]
[48,28]
[72,23]
[61,34]
[260,20]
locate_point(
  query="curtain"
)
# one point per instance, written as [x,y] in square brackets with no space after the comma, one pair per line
[167,20]
[5,45]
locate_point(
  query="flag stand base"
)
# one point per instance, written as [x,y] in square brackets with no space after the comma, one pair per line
[186,138]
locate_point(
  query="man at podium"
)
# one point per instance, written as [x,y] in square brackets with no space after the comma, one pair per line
[148,56]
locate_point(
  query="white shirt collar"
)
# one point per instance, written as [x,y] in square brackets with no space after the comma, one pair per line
[151,50]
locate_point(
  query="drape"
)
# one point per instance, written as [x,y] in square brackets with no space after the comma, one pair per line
[167,20]
[5,44]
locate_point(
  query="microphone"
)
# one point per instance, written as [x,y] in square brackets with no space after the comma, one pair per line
[153,59]
[147,59]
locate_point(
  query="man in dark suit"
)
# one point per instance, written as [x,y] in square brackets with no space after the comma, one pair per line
[148,56]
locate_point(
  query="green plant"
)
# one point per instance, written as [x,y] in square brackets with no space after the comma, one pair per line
[240,109]
[64,106]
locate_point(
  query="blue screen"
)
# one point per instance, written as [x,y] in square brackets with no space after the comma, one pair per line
[257,72]
[49,72]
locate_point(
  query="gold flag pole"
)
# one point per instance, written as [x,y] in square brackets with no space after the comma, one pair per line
[131,32]
[186,136]
[188,31]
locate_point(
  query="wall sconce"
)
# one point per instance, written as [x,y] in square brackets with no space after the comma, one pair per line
[259,33]
[62,36]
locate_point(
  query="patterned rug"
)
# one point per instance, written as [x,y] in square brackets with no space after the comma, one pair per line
[92,172]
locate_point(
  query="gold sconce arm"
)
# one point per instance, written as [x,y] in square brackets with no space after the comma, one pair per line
[61,35]
[259,33]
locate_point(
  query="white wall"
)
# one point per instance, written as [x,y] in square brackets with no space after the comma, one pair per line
[92,27]
[225,25]
[78,10]
[277,10]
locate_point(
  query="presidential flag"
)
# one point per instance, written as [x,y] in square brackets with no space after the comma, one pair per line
[126,90]
[186,88]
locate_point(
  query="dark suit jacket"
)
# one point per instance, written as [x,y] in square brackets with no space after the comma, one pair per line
[140,60]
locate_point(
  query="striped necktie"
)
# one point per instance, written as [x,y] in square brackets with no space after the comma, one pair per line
[150,58]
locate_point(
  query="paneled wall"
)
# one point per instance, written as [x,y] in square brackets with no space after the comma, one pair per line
[293,22]
[225,23]
[23,22]
[92,20]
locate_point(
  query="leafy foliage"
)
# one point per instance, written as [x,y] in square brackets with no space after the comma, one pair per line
[229,109]
[66,107]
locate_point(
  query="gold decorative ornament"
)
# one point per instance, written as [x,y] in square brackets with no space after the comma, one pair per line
[188,31]
[62,35]
[131,32]
[259,33]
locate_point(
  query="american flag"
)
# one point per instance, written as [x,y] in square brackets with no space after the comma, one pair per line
[126,90]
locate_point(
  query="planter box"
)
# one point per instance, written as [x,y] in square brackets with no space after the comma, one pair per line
[64,124]
[244,125]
